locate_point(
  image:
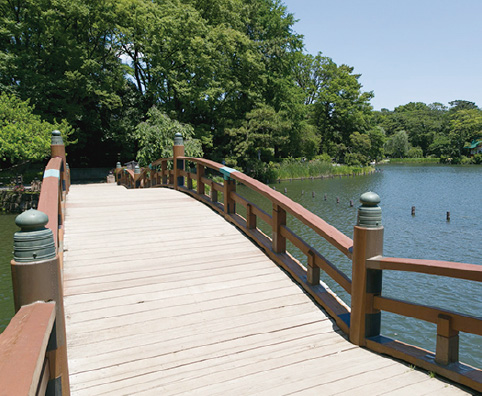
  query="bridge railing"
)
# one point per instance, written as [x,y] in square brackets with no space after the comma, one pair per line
[37,277]
[362,320]
[24,364]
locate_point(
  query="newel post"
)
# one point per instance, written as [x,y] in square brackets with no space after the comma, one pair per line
[118,173]
[137,175]
[57,149]
[366,283]
[36,276]
[178,151]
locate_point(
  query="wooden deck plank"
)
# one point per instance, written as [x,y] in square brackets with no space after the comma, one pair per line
[163,296]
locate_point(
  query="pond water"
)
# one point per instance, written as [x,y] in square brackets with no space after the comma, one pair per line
[434,191]
[7,229]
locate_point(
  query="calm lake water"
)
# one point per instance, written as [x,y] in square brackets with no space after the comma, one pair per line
[7,229]
[433,190]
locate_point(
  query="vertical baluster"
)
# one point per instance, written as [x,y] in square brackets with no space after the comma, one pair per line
[447,349]
[199,176]
[250,217]
[164,176]
[279,220]
[214,193]
[229,204]
[312,271]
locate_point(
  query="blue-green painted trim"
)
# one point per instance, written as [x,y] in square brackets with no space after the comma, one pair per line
[52,173]
[227,172]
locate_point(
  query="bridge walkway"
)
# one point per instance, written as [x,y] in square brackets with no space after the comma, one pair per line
[164,297]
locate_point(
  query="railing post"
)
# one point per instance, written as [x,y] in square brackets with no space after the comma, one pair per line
[137,175]
[118,172]
[57,149]
[447,348]
[312,270]
[366,283]
[279,219]
[199,177]
[164,177]
[178,151]
[229,204]
[36,276]
[250,217]
[214,193]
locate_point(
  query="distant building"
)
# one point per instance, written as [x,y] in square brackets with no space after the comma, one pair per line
[475,147]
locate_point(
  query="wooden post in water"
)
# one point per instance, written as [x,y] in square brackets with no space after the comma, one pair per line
[178,151]
[366,283]
[36,276]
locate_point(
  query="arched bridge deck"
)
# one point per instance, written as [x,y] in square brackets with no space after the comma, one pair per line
[163,296]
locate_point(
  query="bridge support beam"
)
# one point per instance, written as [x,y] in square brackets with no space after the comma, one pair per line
[366,283]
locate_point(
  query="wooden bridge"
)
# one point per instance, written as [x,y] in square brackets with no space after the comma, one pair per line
[171,291]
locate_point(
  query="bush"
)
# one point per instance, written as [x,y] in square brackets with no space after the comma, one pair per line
[477,159]
[415,152]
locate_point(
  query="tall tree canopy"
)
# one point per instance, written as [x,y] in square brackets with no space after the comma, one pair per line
[234,71]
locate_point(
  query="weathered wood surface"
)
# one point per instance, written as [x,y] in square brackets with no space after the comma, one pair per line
[163,296]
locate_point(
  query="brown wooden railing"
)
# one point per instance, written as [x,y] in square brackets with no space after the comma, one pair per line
[24,363]
[36,367]
[361,321]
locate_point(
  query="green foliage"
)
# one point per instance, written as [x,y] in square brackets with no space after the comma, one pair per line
[415,152]
[298,168]
[155,138]
[233,70]
[24,136]
[426,160]
[340,108]
[397,145]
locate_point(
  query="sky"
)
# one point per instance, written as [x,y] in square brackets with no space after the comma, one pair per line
[405,50]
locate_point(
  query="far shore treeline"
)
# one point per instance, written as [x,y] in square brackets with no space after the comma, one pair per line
[120,77]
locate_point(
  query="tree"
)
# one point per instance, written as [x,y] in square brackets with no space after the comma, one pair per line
[62,55]
[465,126]
[397,145]
[24,136]
[340,107]
[261,137]
[155,137]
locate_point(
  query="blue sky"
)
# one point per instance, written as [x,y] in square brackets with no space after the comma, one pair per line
[406,51]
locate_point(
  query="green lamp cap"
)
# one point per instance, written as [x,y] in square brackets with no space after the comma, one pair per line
[31,220]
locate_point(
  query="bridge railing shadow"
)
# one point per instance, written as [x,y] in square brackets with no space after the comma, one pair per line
[361,321]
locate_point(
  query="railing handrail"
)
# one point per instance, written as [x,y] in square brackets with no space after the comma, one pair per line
[451,269]
[321,227]
[51,196]
[23,347]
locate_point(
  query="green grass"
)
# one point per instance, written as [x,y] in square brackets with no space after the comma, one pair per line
[414,160]
[295,169]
